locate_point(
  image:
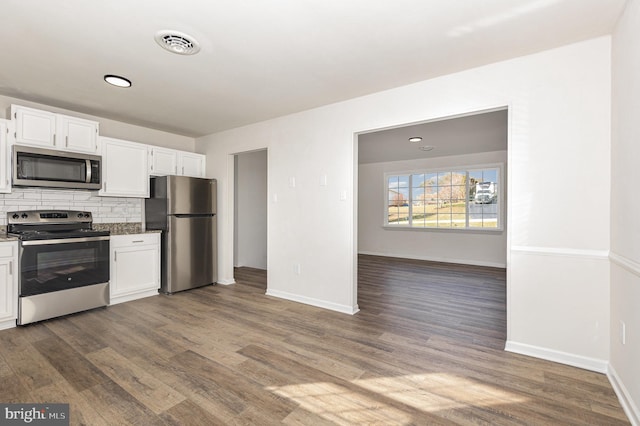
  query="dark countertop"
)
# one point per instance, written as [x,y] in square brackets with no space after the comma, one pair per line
[120,228]
[3,235]
[123,228]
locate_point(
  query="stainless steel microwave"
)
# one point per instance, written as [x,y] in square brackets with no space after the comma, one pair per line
[55,169]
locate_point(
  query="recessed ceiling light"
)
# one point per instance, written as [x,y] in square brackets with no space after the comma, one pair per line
[116,80]
[426,148]
[415,139]
[177,42]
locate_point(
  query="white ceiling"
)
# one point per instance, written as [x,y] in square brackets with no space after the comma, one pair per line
[482,132]
[262,59]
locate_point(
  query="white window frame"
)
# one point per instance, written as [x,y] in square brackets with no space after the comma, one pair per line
[469,168]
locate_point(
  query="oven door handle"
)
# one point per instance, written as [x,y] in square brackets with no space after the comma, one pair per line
[63,241]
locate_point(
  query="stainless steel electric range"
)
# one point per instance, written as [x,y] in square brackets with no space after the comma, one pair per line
[63,263]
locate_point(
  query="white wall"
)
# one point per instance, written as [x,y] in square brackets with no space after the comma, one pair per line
[558,238]
[469,247]
[110,128]
[625,210]
[251,210]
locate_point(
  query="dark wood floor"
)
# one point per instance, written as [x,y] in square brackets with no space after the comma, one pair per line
[426,348]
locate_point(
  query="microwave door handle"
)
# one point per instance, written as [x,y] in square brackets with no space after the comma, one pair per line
[88,166]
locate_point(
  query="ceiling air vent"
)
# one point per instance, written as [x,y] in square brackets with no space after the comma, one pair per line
[177,42]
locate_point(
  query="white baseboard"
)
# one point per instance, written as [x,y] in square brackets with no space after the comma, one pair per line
[7,324]
[438,259]
[226,281]
[133,296]
[591,364]
[629,407]
[345,309]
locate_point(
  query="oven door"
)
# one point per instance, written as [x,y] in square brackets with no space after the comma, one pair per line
[61,264]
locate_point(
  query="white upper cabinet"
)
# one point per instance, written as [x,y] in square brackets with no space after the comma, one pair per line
[124,169]
[165,161]
[48,130]
[34,127]
[77,134]
[191,164]
[5,164]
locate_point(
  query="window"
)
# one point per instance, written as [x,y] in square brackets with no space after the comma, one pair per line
[460,199]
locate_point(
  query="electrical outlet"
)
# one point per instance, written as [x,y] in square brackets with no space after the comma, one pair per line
[623,333]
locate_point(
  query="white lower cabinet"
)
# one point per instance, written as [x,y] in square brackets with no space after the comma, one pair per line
[135,266]
[8,284]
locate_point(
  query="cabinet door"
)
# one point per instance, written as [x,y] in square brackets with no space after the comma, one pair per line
[34,127]
[191,164]
[163,162]
[5,165]
[135,270]
[8,285]
[77,134]
[124,169]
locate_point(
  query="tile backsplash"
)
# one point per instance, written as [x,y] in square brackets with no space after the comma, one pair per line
[104,209]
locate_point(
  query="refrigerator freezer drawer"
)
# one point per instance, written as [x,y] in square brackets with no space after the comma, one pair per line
[190,253]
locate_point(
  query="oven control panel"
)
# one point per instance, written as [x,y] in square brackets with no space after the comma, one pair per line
[48,216]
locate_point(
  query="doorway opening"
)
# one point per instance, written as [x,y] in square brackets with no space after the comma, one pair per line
[435,192]
[250,210]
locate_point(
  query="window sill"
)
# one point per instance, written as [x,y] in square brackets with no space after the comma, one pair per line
[463,230]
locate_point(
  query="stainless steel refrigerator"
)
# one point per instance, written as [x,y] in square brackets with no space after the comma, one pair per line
[184,208]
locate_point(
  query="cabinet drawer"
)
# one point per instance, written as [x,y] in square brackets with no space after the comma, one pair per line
[135,239]
[6,249]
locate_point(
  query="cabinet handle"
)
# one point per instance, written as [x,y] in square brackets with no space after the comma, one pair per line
[138,241]
[11,267]
[182,169]
[66,141]
[115,256]
[54,138]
